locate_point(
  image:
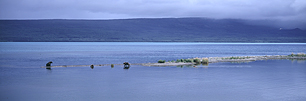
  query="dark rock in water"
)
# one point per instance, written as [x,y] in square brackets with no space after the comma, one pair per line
[92,66]
[126,65]
[49,63]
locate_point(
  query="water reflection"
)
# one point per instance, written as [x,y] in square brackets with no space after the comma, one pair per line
[126,68]
[193,66]
[300,61]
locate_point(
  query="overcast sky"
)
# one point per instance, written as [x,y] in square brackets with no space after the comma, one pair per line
[283,10]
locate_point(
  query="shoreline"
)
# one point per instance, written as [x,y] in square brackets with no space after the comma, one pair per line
[205,60]
[252,58]
[230,59]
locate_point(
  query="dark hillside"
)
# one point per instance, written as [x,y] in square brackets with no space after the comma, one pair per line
[149,30]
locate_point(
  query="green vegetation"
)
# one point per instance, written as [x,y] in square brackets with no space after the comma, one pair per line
[197,61]
[182,60]
[205,61]
[298,55]
[238,57]
[161,61]
[188,60]
[112,65]
[234,57]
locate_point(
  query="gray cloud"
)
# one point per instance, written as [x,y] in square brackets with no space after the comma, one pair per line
[282,10]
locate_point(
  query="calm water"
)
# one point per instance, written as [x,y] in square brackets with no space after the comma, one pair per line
[21,77]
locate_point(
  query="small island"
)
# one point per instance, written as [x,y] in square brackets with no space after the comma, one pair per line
[207,60]
[204,60]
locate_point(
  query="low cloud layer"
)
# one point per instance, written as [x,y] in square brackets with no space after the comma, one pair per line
[289,11]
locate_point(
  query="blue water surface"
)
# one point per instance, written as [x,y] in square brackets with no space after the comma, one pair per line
[21,77]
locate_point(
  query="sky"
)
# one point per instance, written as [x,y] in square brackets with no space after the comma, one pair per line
[285,11]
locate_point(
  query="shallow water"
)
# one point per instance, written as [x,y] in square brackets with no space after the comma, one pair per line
[22,78]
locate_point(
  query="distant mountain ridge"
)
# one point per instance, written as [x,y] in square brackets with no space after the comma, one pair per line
[145,30]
